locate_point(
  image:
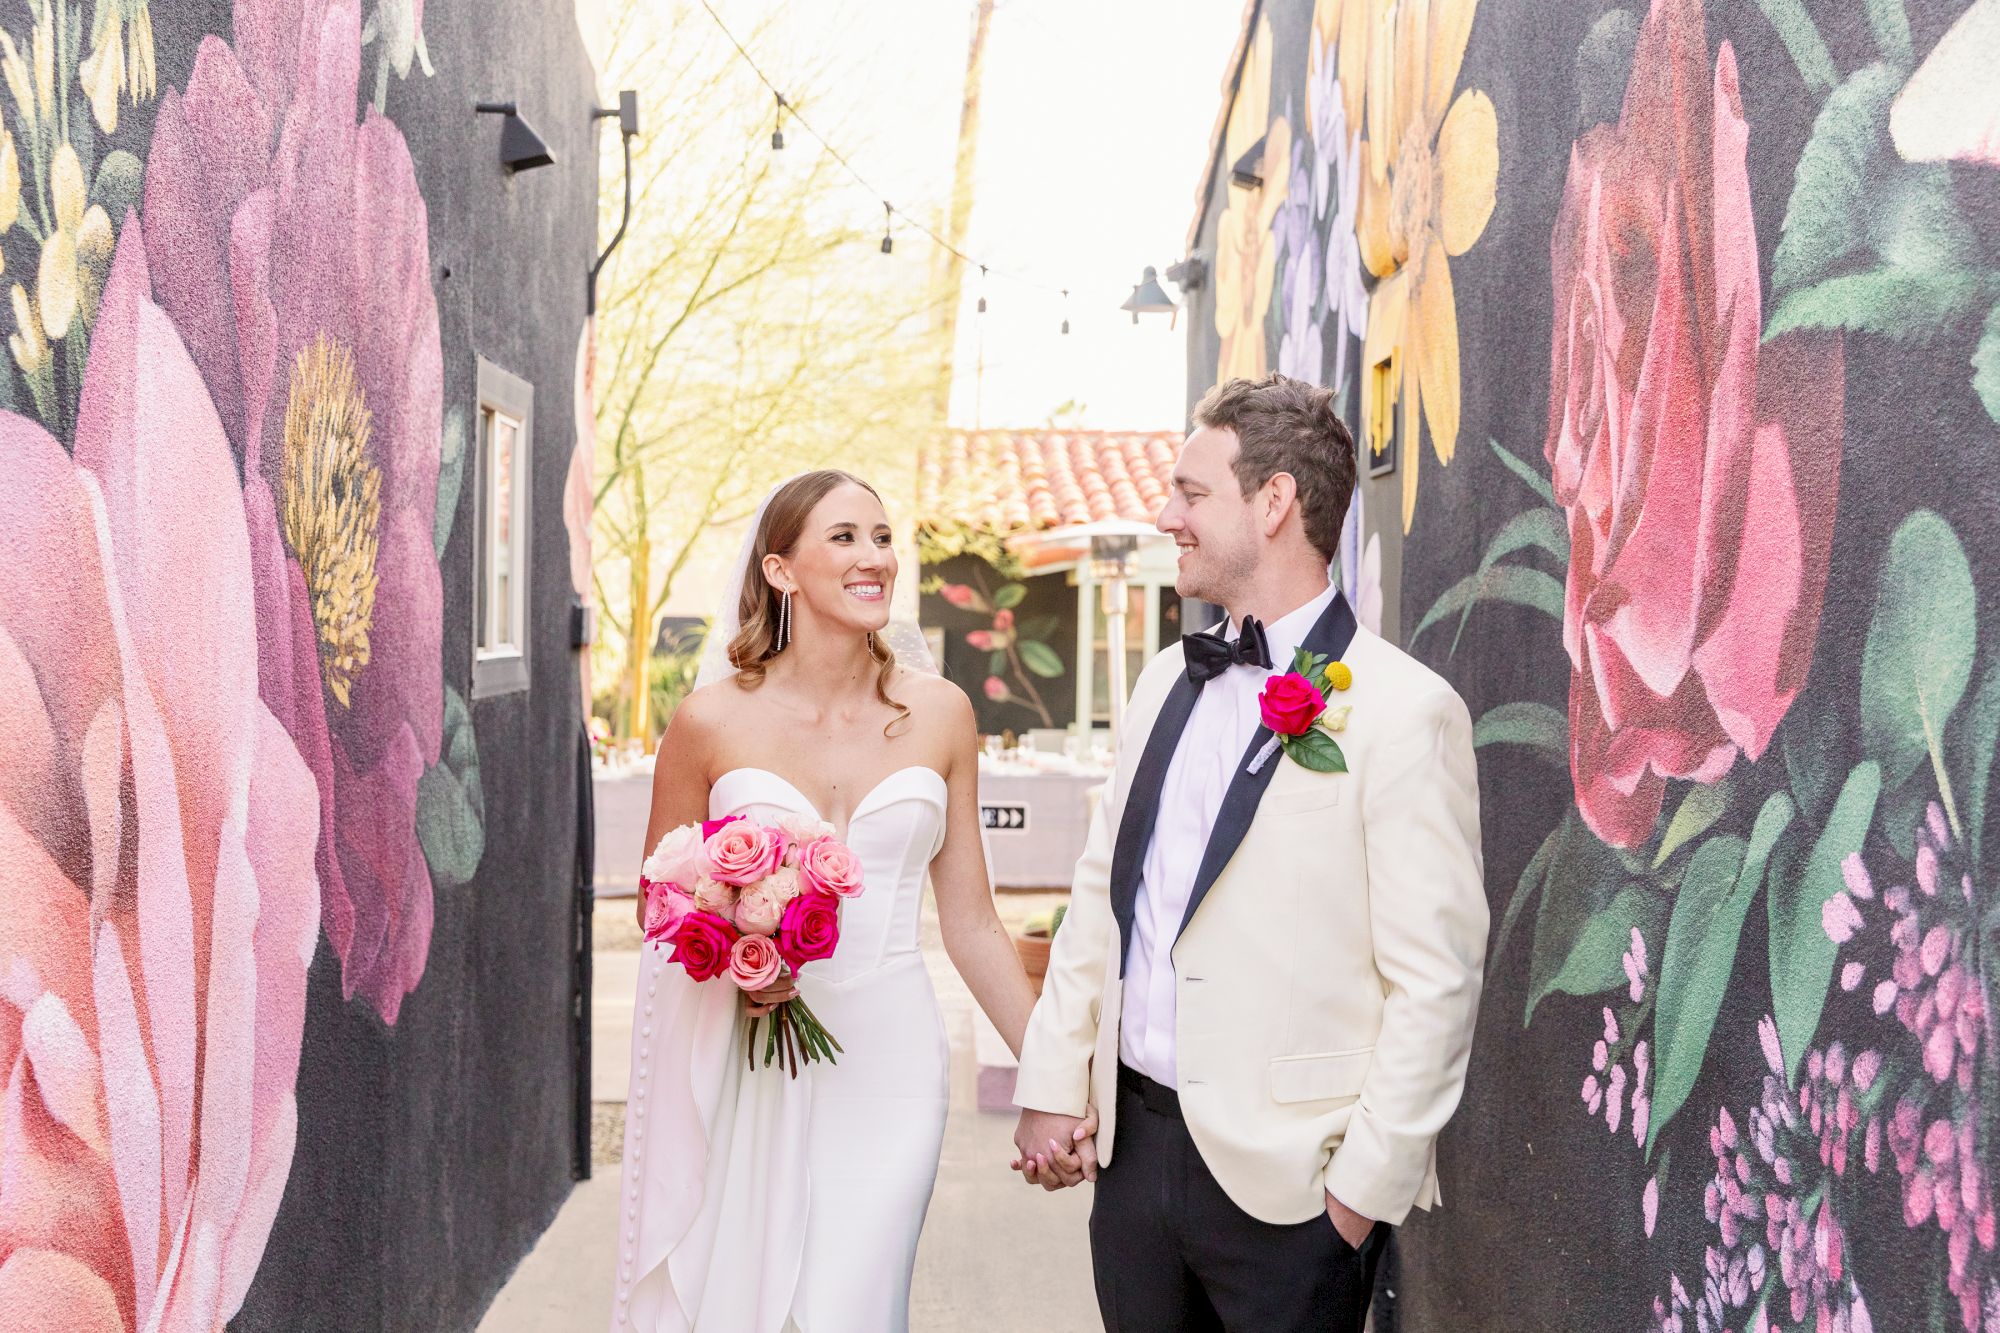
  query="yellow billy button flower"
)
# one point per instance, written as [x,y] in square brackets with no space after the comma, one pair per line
[1339,675]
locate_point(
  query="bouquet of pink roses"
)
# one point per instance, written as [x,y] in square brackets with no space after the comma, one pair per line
[753,903]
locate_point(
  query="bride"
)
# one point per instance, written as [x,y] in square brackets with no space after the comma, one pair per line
[752,1202]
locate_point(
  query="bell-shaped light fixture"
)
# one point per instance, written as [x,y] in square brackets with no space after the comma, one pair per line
[521,149]
[1148,297]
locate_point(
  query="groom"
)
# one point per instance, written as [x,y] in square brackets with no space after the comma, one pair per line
[1267,978]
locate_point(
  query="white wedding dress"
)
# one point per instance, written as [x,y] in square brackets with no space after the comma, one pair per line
[752,1202]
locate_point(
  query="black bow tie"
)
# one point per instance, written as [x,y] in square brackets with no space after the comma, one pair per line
[1209,655]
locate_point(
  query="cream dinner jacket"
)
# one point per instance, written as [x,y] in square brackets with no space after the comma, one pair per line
[1326,983]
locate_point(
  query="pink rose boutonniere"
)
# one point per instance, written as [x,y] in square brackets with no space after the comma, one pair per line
[1293,705]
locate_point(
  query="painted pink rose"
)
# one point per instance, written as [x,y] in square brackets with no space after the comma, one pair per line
[677,858]
[1698,469]
[743,852]
[702,944]
[830,866]
[810,930]
[754,962]
[291,250]
[760,909]
[158,828]
[666,904]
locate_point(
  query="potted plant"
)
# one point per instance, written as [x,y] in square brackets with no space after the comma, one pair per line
[1032,944]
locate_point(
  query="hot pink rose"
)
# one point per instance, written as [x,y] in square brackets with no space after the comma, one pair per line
[1290,703]
[666,904]
[714,896]
[1698,468]
[957,594]
[760,909]
[677,860]
[810,930]
[831,867]
[702,944]
[709,826]
[754,962]
[743,852]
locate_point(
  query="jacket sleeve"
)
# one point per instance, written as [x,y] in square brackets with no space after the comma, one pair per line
[1428,916]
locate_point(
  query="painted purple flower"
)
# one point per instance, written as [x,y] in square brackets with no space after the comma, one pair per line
[291,250]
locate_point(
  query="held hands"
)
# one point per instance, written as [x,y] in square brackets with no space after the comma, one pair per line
[1056,1151]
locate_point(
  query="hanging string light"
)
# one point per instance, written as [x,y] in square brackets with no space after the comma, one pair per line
[888,216]
[778,130]
[982,289]
[1065,296]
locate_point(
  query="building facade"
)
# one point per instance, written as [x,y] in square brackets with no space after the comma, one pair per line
[289,704]
[1669,335]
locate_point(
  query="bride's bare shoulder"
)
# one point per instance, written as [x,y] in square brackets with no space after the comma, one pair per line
[706,712]
[935,703]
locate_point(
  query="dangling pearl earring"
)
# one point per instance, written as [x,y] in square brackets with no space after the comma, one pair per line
[784,622]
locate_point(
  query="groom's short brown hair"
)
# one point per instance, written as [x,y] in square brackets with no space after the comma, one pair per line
[1288,425]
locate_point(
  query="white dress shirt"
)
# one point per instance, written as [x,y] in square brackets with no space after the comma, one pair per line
[1225,717]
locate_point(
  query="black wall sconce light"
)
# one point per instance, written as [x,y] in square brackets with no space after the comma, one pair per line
[1148,297]
[627,112]
[521,149]
[1247,173]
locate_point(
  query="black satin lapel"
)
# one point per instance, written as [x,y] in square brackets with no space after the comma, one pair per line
[1330,635]
[1142,806]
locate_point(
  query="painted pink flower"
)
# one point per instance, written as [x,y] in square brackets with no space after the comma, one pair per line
[158,829]
[831,867]
[1698,468]
[291,250]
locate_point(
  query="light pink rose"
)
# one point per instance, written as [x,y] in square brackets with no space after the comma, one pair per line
[754,962]
[786,883]
[800,830]
[760,909]
[158,830]
[714,896]
[830,866]
[677,859]
[742,852]
[666,904]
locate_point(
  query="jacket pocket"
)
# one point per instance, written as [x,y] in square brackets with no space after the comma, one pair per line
[1310,1078]
[1323,794]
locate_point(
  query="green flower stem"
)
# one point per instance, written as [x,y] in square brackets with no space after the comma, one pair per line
[1802,41]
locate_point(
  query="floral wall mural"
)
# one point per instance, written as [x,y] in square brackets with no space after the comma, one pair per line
[1699,302]
[232,734]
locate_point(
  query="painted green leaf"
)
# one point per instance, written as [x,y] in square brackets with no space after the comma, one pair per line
[1604,67]
[1317,751]
[1589,907]
[1010,596]
[1811,731]
[1892,30]
[1517,584]
[1538,726]
[451,476]
[1825,219]
[1040,627]
[120,182]
[1899,813]
[1700,954]
[1802,955]
[1973,742]
[996,664]
[1536,482]
[1540,529]
[451,804]
[1802,41]
[1524,888]
[1897,303]
[1986,364]
[1041,659]
[1697,813]
[1918,656]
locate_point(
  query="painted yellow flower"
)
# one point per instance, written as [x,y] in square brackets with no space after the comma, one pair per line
[1340,29]
[1433,168]
[10,181]
[120,60]
[1245,259]
[76,252]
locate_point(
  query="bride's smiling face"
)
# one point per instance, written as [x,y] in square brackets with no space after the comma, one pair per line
[842,570]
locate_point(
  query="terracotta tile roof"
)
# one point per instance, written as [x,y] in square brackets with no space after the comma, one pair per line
[1009,481]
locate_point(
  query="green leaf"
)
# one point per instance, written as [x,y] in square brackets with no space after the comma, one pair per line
[1010,596]
[1589,907]
[1517,584]
[1802,42]
[1918,656]
[1538,726]
[1892,30]
[1802,955]
[1537,528]
[1040,627]
[1699,809]
[996,664]
[1812,731]
[1317,751]
[451,804]
[1604,67]
[451,476]
[1535,480]
[1826,217]
[1986,364]
[1302,661]
[120,183]
[1702,936]
[1524,888]
[1972,741]
[1896,303]
[1041,659]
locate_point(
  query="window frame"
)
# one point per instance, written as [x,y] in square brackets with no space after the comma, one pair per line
[502,670]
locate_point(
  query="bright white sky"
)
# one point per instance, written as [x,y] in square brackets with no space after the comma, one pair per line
[1094,126]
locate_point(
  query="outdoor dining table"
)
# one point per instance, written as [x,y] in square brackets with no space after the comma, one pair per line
[1035,817]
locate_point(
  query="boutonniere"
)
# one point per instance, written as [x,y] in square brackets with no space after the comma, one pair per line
[1295,708]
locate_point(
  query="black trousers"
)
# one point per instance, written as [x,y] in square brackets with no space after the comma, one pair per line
[1172,1252]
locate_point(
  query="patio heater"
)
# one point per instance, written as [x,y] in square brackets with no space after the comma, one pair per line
[1111,548]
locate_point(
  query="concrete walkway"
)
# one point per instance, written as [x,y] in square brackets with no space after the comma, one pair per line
[996,1255]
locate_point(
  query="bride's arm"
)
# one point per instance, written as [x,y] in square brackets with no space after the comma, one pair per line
[973,936]
[680,778]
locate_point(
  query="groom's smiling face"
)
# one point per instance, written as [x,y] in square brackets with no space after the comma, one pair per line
[1210,518]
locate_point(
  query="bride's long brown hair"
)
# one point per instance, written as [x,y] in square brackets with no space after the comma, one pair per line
[784,522]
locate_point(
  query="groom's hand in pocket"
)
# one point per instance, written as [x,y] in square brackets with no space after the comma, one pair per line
[1056,1151]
